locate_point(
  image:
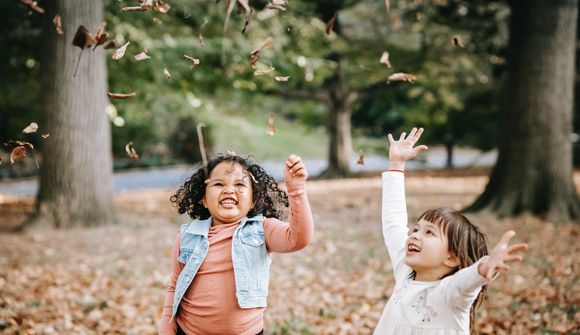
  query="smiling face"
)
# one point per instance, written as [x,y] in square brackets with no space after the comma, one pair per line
[428,253]
[228,193]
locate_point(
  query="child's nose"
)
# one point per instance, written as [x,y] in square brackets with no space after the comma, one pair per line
[415,235]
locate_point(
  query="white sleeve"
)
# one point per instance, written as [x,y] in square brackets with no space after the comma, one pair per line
[462,287]
[394,221]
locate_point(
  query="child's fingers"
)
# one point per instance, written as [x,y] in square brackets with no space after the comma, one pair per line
[390,137]
[503,267]
[412,133]
[402,137]
[420,148]
[292,160]
[517,247]
[505,239]
[419,133]
[511,259]
[301,172]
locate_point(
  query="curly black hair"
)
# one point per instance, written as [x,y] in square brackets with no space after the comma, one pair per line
[268,199]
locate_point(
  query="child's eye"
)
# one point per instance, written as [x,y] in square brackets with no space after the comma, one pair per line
[240,185]
[218,184]
[429,232]
[415,230]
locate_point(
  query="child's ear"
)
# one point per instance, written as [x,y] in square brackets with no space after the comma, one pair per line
[203,202]
[451,261]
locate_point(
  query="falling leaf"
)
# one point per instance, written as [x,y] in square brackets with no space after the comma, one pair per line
[166,73]
[45,136]
[20,143]
[458,41]
[361,158]
[281,78]
[120,52]
[201,40]
[31,128]
[388,6]
[121,95]
[142,56]
[83,38]
[256,52]
[100,35]
[57,25]
[277,4]
[271,126]
[32,6]
[131,151]
[264,71]
[400,76]
[385,59]
[17,153]
[110,45]
[192,61]
[156,5]
[331,23]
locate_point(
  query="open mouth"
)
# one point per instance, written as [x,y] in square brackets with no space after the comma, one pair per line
[411,248]
[228,202]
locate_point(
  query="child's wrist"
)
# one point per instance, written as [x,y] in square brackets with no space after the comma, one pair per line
[397,166]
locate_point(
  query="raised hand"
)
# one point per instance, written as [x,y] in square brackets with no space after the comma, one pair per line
[295,170]
[500,255]
[402,150]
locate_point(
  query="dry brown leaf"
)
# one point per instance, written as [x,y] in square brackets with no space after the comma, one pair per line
[255,55]
[385,59]
[17,153]
[458,41]
[142,56]
[192,61]
[120,52]
[166,73]
[361,158]
[45,136]
[100,35]
[331,23]
[31,128]
[271,126]
[277,4]
[32,6]
[120,96]
[110,45]
[83,38]
[277,78]
[155,5]
[400,76]
[57,25]
[131,151]
[264,71]
[20,143]
[201,40]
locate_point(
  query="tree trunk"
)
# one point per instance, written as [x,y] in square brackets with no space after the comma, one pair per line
[449,149]
[339,126]
[534,168]
[76,173]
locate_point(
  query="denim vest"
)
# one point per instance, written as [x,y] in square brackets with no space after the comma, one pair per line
[250,259]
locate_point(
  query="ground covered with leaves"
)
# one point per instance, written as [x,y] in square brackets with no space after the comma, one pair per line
[112,279]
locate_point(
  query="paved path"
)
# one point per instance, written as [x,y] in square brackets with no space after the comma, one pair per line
[172,177]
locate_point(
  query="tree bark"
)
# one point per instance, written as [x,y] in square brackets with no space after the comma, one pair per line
[339,123]
[76,173]
[534,168]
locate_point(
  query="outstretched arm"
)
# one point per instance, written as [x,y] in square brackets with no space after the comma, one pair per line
[297,234]
[500,255]
[394,210]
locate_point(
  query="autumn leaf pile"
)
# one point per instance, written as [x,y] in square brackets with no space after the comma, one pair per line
[112,279]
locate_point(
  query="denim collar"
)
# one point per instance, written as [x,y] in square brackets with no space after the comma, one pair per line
[201,227]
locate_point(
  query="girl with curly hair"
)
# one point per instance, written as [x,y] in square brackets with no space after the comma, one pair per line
[221,259]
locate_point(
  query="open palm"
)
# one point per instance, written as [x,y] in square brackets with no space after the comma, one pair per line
[402,150]
[502,254]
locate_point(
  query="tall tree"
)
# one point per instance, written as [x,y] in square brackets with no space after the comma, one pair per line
[76,174]
[534,168]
